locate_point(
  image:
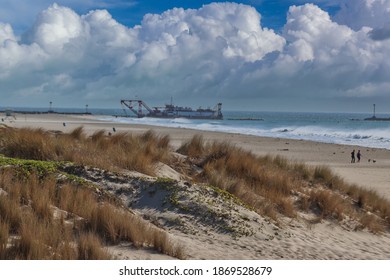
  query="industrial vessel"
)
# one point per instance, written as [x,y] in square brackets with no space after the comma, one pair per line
[140,109]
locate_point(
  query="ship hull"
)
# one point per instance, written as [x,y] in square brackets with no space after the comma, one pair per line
[184,117]
[170,111]
[187,115]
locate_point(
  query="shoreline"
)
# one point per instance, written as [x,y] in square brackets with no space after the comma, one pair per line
[371,173]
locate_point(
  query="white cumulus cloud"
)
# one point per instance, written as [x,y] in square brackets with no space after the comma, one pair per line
[54,28]
[322,60]
[6,33]
[219,52]
[364,13]
[179,51]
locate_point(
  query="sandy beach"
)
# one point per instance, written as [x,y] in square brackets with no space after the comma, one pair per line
[291,238]
[372,172]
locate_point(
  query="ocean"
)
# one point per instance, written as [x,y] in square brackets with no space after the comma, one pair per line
[338,128]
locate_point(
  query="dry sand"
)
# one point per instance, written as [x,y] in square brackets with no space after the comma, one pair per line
[371,173]
[296,239]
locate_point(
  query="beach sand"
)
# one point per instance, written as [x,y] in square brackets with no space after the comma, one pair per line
[371,173]
[295,239]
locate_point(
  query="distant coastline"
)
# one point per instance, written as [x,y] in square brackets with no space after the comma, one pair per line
[338,128]
[376,119]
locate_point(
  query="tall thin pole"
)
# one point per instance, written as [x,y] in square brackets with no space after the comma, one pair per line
[374,111]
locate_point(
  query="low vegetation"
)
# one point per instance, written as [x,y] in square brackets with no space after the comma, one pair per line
[120,151]
[46,213]
[42,219]
[274,187]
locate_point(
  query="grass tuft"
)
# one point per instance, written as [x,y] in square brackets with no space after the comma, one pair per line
[32,194]
[120,151]
[90,248]
[27,210]
[275,187]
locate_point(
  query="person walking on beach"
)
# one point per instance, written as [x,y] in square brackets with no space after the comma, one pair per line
[358,155]
[353,156]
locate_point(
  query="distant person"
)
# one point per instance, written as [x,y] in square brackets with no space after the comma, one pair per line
[353,156]
[358,155]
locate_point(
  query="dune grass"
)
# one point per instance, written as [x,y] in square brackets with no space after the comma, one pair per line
[67,221]
[32,192]
[275,187]
[120,151]
[46,218]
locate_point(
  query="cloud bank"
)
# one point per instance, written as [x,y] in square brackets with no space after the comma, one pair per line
[217,52]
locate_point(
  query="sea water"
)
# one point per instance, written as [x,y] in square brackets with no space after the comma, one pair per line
[338,128]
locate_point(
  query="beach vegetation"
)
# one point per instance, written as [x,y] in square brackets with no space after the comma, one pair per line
[263,184]
[51,219]
[275,187]
[194,148]
[116,152]
[50,210]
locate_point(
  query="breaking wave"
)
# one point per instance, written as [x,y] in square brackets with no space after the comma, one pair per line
[378,137]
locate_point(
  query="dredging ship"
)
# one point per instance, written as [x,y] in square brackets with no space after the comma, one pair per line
[141,109]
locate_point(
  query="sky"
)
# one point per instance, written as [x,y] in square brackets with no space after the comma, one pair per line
[320,55]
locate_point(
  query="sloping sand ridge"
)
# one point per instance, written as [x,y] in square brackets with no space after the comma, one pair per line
[210,223]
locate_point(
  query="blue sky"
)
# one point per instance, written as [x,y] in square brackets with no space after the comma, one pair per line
[130,13]
[273,12]
[320,55]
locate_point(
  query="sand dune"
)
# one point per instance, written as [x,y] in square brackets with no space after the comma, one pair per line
[260,237]
[367,173]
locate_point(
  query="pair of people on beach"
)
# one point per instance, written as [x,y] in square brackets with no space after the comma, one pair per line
[358,155]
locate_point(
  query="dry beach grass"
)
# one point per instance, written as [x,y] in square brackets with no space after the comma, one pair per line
[273,186]
[80,185]
[32,196]
[42,219]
